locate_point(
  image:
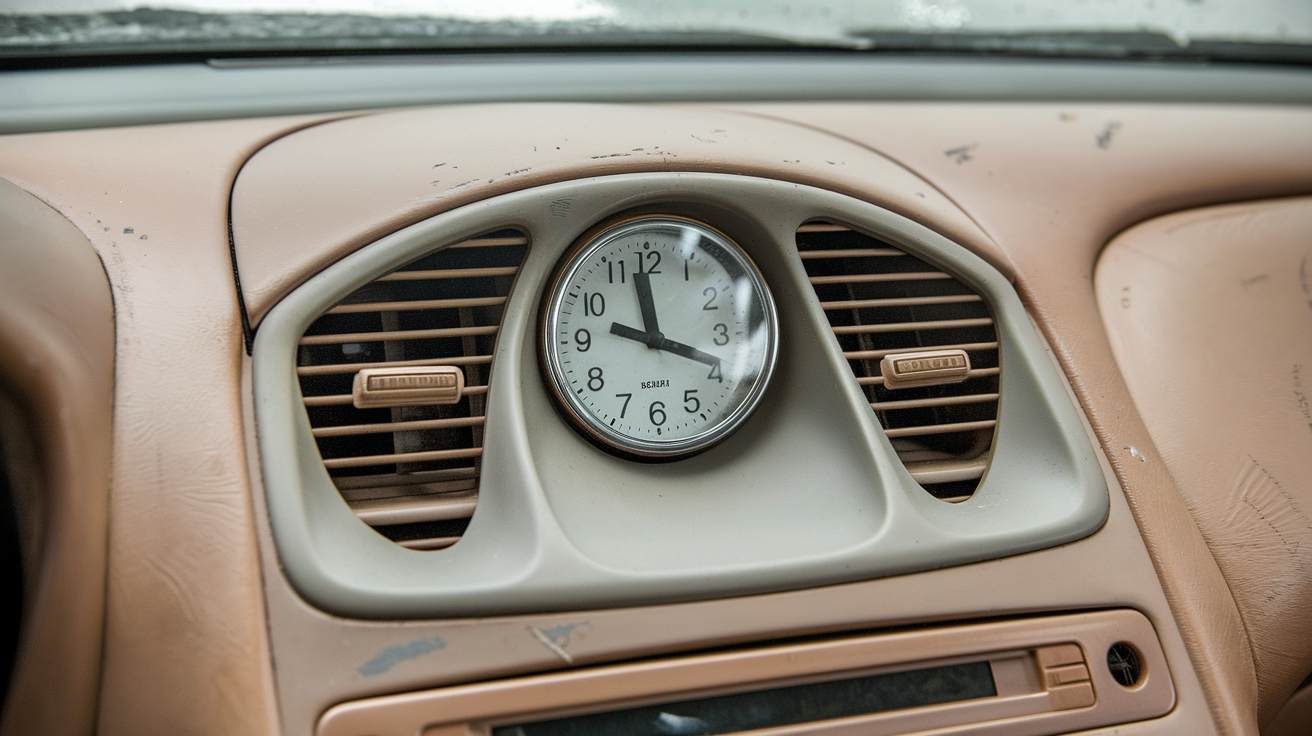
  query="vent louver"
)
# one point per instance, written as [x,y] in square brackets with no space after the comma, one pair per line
[411,472]
[881,301]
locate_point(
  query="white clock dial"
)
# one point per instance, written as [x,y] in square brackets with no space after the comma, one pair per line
[659,336]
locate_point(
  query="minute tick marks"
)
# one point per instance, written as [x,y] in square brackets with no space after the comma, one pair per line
[644,323]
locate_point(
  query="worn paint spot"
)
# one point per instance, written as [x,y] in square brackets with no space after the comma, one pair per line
[392,656]
[560,207]
[1300,396]
[549,644]
[1134,452]
[961,154]
[436,166]
[561,634]
[1067,117]
[1104,138]
[557,638]
[1303,277]
[1255,281]
[127,231]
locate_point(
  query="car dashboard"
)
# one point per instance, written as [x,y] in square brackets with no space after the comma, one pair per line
[1097,521]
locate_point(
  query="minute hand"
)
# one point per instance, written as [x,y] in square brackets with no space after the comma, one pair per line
[646,303]
[686,351]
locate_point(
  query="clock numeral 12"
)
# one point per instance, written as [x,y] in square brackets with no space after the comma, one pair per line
[655,260]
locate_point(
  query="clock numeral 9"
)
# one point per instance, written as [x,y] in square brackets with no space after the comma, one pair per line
[594,376]
[594,304]
[584,340]
[688,397]
[723,329]
[657,408]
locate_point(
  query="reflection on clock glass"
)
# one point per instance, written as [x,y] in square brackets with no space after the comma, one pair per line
[660,336]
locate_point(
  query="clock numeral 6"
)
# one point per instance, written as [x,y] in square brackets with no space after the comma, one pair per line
[594,376]
[688,397]
[657,408]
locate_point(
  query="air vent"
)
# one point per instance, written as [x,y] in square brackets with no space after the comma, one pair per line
[411,472]
[884,302]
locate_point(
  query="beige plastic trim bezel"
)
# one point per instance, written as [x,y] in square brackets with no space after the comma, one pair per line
[1034,663]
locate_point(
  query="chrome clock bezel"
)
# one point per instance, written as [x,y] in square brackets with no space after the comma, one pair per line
[574,410]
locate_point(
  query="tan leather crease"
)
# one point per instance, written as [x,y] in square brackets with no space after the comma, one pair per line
[186,647]
[57,373]
[1051,185]
[1210,316]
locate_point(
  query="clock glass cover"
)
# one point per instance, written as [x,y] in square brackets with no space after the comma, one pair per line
[659,336]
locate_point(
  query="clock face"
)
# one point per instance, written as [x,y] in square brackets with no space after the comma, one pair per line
[659,337]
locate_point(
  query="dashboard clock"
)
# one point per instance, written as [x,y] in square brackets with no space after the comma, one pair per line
[658,337]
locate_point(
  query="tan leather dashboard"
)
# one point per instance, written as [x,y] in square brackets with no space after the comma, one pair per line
[203,633]
[1215,303]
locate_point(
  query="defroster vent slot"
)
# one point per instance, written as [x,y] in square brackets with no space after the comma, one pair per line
[411,472]
[882,301]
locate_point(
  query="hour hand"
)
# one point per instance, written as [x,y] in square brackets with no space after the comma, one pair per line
[645,302]
[646,338]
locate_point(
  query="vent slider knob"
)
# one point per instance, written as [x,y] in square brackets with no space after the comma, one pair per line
[926,368]
[409,386]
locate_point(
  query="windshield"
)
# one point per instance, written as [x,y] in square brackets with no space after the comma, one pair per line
[1248,30]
